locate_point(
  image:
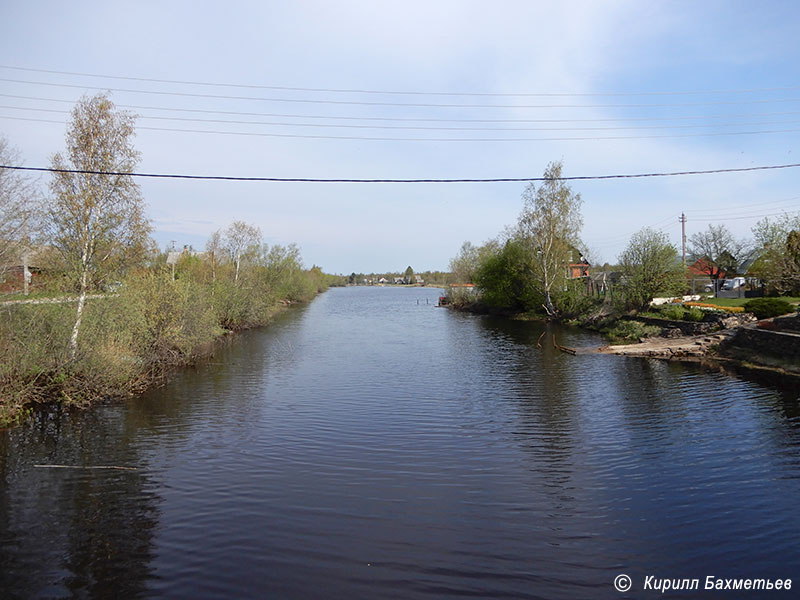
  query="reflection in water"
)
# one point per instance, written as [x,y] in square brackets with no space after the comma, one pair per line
[74,532]
[371,445]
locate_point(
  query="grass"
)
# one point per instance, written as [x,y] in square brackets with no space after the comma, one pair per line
[625,332]
[741,301]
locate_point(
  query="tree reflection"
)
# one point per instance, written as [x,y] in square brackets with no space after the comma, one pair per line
[79,532]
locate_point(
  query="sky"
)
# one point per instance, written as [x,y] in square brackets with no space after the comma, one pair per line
[421,90]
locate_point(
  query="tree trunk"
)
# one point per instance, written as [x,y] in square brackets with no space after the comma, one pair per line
[73,340]
[548,305]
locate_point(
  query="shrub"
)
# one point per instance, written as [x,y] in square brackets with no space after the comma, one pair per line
[673,312]
[694,314]
[764,308]
[630,331]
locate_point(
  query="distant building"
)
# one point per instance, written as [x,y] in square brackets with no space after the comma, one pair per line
[26,264]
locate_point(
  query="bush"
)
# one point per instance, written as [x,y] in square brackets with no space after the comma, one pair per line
[694,314]
[764,308]
[674,312]
[630,331]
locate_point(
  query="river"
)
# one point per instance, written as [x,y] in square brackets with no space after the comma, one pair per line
[371,445]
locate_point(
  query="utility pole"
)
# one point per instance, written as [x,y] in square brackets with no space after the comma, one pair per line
[682,221]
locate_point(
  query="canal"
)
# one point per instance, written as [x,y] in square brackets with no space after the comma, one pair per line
[370,445]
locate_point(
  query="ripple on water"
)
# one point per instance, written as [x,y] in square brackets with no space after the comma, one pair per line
[372,446]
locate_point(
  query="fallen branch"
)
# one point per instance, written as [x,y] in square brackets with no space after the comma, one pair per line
[539,341]
[85,467]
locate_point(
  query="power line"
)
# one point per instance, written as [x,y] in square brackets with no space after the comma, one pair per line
[423,119]
[723,219]
[407,104]
[332,180]
[425,127]
[442,139]
[408,92]
[738,208]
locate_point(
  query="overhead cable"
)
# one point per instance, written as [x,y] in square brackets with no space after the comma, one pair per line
[407,104]
[441,139]
[337,180]
[408,92]
[424,127]
[422,119]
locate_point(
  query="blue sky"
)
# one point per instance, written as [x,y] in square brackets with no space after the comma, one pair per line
[670,78]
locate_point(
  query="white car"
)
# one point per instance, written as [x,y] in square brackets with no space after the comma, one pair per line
[733,284]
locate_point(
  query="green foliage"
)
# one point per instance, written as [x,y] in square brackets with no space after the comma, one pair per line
[765,308]
[629,331]
[548,227]
[651,267]
[573,302]
[153,324]
[674,312]
[504,279]
[778,254]
[694,314]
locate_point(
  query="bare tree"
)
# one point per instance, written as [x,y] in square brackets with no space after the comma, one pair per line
[716,251]
[19,209]
[239,239]
[549,226]
[214,249]
[97,218]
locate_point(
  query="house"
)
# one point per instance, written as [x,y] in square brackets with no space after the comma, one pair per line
[21,267]
[578,266]
[578,269]
[703,268]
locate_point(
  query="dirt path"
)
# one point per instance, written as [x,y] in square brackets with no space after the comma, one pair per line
[62,300]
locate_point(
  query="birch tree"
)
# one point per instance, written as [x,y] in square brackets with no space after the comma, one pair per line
[214,251]
[96,219]
[239,239]
[548,227]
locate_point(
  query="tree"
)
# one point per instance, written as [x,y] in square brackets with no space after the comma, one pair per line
[716,251]
[97,220]
[409,275]
[651,265]
[466,263]
[503,277]
[214,249]
[18,207]
[548,227]
[777,244]
[240,238]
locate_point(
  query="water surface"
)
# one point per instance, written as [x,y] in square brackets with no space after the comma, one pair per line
[371,445]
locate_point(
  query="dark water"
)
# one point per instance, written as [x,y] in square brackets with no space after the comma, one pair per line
[373,446]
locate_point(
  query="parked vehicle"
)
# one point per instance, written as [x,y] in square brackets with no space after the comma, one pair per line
[733,284]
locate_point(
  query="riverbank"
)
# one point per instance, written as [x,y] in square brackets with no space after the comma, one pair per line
[742,345]
[132,340]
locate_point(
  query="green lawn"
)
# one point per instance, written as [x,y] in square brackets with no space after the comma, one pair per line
[741,301]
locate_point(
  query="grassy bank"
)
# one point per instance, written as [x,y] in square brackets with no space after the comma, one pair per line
[133,339]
